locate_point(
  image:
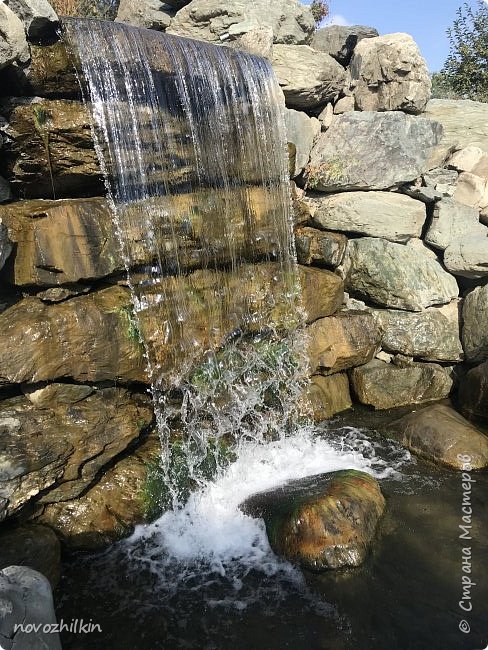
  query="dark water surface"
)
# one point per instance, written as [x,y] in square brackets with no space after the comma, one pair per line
[405,596]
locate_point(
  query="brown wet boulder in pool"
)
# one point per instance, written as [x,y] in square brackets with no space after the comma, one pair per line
[32,546]
[473,393]
[439,434]
[321,522]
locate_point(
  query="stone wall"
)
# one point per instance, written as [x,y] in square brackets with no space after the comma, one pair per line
[391,208]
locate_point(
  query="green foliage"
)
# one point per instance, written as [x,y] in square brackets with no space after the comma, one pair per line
[320,10]
[441,87]
[466,69]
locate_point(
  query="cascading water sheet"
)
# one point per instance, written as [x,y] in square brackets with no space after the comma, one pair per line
[191,140]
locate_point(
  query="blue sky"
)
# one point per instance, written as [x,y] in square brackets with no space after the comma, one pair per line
[425,20]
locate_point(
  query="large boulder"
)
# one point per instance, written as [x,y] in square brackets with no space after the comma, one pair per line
[452,220]
[301,132]
[392,216]
[342,341]
[49,149]
[88,338]
[371,151]
[473,393]
[386,385]
[60,242]
[339,41]
[215,21]
[439,434]
[328,395]
[149,14]
[39,18]
[322,292]
[396,276]
[465,123]
[110,509]
[307,78]
[322,522]
[431,335]
[388,73]
[472,190]
[475,325]
[319,248]
[13,44]
[28,619]
[35,458]
[468,256]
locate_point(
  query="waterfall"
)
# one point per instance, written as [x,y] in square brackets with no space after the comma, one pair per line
[191,141]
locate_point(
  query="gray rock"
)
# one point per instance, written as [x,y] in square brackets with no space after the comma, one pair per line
[319,248]
[379,214]
[34,546]
[5,192]
[339,41]
[328,395]
[396,276]
[473,393]
[388,73]
[441,179]
[301,131]
[308,78]
[472,190]
[372,151]
[215,21]
[326,116]
[257,41]
[470,159]
[39,18]
[386,385]
[475,325]
[468,256]
[344,105]
[26,599]
[5,244]
[13,44]
[150,14]
[439,434]
[430,335]
[465,124]
[452,220]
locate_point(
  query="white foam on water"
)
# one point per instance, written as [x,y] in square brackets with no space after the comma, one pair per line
[211,529]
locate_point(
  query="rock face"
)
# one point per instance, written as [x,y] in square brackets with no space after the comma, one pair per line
[39,18]
[431,335]
[26,599]
[319,248]
[473,393]
[468,256]
[385,385]
[388,73]
[59,242]
[328,395]
[95,430]
[372,151]
[32,546]
[342,341]
[5,193]
[396,276]
[149,14]
[301,131]
[307,78]
[452,220]
[465,123]
[13,44]
[5,243]
[322,292]
[212,20]
[440,434]
[322,522]
[475,325]
[339,41]
[47,137]
[472,190]
[379,214]
[111,508]
[89,338]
